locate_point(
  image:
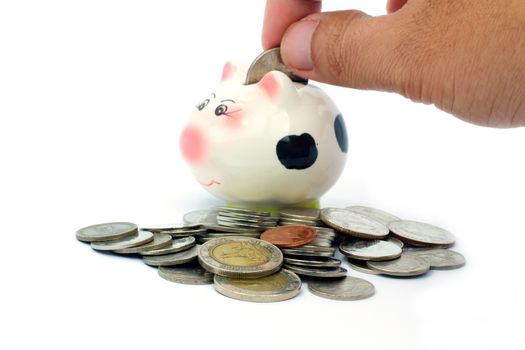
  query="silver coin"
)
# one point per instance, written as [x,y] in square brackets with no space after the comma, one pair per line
[160,240]
[312,248]
[187,274]
[300,213]
[220,228]
[240,257]
[287,221]
[354,224]
[229,234]
[440,259]
[375,214]
[361,266]
[249,217]
[375,250]
[177,245]
[179,258]
[107,232]
[396,241]
[404,266]
[330,262]
[336,272]
[228,223]
[268,61]
[245,211]
[421,234]
[280,286]
[321,242]
[188,232]
[142,237]
[349,288]
[307,253]
[201,217]
[327,233]
[170,227]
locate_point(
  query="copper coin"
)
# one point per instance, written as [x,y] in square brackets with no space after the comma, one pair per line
[289,236]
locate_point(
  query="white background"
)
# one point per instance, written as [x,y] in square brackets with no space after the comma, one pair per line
[93,96]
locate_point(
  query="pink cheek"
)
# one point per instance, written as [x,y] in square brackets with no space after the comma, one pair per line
[193,145]
[235,121]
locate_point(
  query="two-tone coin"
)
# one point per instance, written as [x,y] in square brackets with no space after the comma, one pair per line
[421,234]
[142,237]
[279,286]
[349,288]
[240,257]
[172,259]
[107,232]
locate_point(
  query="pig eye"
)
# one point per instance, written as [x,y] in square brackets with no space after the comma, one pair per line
[203,104]
[221,109]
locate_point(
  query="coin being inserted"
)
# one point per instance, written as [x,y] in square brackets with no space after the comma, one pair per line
[266,62]
[240,257]
[280,286]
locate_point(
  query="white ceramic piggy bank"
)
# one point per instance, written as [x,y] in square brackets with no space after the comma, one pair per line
[265,145]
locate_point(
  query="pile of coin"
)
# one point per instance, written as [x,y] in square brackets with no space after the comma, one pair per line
[248,257]
[380,243]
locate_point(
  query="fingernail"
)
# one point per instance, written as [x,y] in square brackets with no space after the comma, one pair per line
[296,45]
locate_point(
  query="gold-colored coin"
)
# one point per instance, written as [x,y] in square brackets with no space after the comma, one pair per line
[280,286]
[240,254]
[240,257]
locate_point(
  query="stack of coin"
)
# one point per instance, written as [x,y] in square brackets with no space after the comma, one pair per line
[381,243]
[223,222]
[245,219]
[301,255]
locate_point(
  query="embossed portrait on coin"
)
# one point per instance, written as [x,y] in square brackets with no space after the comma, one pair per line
[240,254]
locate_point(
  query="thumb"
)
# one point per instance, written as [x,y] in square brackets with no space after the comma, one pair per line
[347,48]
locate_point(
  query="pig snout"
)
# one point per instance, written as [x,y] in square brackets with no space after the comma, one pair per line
[193,145]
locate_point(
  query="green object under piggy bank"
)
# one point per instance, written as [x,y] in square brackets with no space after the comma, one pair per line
[267,145]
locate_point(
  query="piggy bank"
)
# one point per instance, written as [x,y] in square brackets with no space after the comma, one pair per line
[266,145]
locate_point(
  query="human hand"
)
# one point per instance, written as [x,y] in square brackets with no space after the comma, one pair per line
[465,57]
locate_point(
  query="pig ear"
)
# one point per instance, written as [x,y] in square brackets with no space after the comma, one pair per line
[233,72]
[278,87]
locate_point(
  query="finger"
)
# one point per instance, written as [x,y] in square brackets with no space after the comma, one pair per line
[347,48]
[280,14]
[394,5]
